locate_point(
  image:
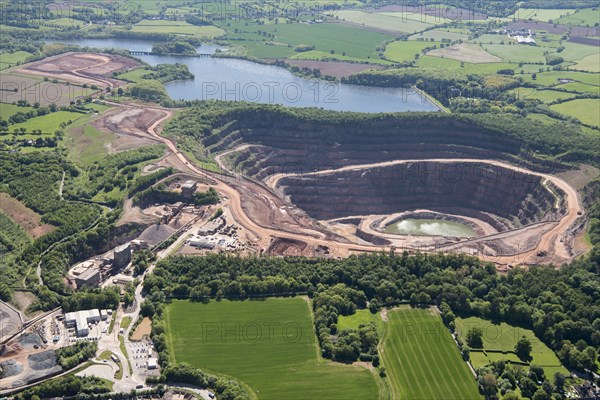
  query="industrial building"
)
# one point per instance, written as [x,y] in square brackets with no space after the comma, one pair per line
[89,277]
[188,189]
[81,319]
[152,363]
[122,256]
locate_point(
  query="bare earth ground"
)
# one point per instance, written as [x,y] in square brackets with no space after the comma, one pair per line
[339,69]
[27,219]
[470,53]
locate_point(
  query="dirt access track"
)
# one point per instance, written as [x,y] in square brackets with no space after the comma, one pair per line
[81,68]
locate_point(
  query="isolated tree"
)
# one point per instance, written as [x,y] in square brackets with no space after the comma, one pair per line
[475,337]
[523,348]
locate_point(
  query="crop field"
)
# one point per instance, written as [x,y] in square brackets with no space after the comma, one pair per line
[581,109]
[576,51]
[177,28]
[406,50]
[551,78]
[394,23]
[422,360]
[504,337]
[470,53]
[583,17]
[326,37]
[269,345]
[34,89]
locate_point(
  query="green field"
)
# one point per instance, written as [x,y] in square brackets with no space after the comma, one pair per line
[583,17]
[8,60]
[585,110]
[87,144]
[442,33]
[406,50]
[135,75]
[422,360]
[321,55]
[326,37]
[431,62]
[395,23]
[541,14]
[589,63]
[504,337]
[546,96]
[360,317]
[516,52]
[48,123]
[177,28]
[7,110]
[269,345]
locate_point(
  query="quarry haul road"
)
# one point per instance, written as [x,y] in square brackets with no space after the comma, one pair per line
[551,241]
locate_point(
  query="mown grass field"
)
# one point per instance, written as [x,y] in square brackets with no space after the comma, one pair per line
[546,96]
[360,317]
[422,360]
[400,51]
[504,337]
[177,28]
[269,345]
[585,110]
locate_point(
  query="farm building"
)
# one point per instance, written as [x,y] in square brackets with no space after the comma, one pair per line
[122,256]
[81,319]
[188,189]
[525,40]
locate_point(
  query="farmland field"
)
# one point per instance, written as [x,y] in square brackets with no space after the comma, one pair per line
[269,345]
[583,17]
[543,95]
[581,109]
[504,337]
[177,28]
[7,110]
[48,123]
[11,234]
[421,358]
[8,60]
[388,22]
[589,63]
[516,52]
[541,14]
[326,37]
[400,51]
[467,53]
[439,34]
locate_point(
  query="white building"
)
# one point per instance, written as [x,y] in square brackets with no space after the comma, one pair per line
[152,363]
[81,319]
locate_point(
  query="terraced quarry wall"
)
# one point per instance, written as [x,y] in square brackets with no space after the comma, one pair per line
[504,197]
